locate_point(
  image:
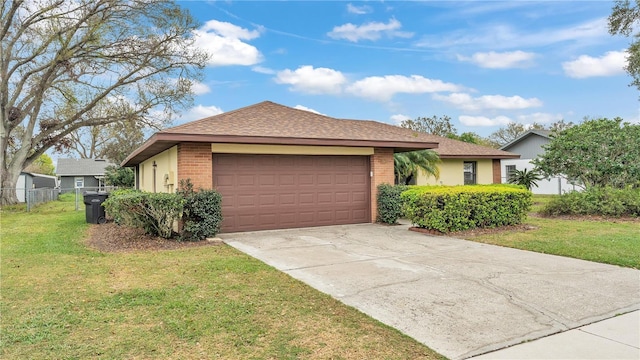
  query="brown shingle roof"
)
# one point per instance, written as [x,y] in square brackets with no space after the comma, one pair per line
[271,123]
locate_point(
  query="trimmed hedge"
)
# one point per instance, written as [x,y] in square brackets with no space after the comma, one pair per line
[156,213]
[457,208]
[389,203]
[596,201]
[153,212]
[202,212]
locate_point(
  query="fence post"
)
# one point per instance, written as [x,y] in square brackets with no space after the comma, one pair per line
[77,200]
[27,195]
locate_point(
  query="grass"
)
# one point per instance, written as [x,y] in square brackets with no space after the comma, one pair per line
[611,242]
[60,299]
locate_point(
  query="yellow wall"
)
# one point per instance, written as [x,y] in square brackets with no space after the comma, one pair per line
[452,173]
[289,149]
[167,164]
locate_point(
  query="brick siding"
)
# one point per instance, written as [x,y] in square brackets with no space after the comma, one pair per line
[382,169]
[195,162]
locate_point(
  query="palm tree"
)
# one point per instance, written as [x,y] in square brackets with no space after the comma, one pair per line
[406,165]
[525,178]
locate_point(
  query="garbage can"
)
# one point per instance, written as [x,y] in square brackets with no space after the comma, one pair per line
[93,206]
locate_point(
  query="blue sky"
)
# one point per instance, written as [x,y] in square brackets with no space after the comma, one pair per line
[483,63]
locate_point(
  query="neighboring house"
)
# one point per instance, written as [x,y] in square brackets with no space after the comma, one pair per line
[81,173]
[28,181]
[278,167]
[530,145]
[465,163]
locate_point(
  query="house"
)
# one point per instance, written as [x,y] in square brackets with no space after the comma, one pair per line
[81,173]
[465,163]
[529,146]
[278,167]
[28,181]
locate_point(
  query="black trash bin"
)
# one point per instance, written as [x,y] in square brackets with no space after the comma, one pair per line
[93,206]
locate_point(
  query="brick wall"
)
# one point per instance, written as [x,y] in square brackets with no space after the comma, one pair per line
[497,171]
[382,169]
[195,163]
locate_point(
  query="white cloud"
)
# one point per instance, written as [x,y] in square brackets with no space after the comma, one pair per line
[312,80]
[503,60]
[199,88]
[223,41]
[466,102]
[398,118]
[540,118]
[483,120]
[263,70]
[382,88]
[302,107]
[369,31]
[358,10]
[506,36]
[200,112]
[609,64]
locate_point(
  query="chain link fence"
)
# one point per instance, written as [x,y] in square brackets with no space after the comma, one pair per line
[33,197]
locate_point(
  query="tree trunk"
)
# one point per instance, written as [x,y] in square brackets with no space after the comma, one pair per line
[8,194]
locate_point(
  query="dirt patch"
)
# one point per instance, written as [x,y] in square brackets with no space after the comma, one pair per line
[114,238]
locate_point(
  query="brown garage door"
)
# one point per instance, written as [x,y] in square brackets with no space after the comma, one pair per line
[261,192]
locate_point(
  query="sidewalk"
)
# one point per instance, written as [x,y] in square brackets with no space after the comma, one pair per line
[614,338]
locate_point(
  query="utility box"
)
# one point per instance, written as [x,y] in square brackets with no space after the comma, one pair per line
[95,213]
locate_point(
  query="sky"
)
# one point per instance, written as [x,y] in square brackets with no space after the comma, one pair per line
[482,63]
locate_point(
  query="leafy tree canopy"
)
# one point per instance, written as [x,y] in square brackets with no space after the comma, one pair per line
[119,176]
[42,165]
[624,19]
[66,65]
[435,125]
[408,164]
[598,153]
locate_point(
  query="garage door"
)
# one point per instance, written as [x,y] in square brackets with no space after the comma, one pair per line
[261,192]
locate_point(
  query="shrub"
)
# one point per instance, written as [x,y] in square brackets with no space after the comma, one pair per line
[202,212]
[153,212]
[605,201]
[457,208]
[389,203]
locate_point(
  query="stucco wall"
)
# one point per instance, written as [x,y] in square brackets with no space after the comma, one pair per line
[166,172]
[452,173]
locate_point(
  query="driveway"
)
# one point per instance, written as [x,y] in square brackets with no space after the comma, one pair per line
[458,297]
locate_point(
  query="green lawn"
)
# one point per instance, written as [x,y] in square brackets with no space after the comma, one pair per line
[612,242]
[61,300]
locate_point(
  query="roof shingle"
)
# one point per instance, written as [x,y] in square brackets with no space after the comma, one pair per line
[268,122]
[81,167]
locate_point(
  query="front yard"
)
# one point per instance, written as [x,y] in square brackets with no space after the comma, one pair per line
[610,241]
[61,299]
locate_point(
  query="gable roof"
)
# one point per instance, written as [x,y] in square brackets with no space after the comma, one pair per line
[271,123]
[543,133]
[81,167]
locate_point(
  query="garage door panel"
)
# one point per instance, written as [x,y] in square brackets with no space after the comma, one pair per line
[286,191]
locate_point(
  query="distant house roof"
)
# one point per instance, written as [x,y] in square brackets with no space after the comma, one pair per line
[81,167]
[271,123]
[543,133]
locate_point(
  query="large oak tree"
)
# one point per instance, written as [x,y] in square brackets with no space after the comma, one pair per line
[65,65]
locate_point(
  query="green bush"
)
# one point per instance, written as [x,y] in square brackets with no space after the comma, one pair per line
[202,212]
[457,208]
[605,201]
[153,212]
[389,203]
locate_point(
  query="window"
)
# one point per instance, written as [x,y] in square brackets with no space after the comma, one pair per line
[511,169]
[470,172]
[79,182]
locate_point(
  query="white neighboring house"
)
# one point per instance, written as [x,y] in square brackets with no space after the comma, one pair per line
[529,146]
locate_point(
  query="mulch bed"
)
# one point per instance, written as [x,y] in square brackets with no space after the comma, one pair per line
[114,238]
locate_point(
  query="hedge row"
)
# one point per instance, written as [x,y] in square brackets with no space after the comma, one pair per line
[596,201]
[157,213]
[457,208]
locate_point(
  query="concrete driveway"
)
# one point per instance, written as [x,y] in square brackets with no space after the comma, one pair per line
[458,297]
